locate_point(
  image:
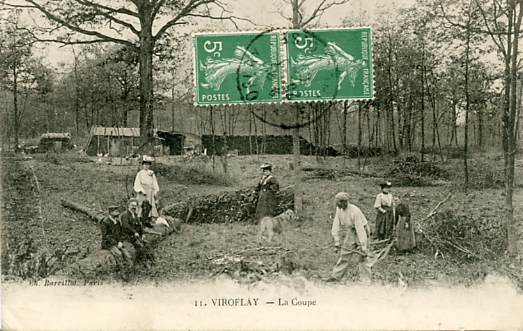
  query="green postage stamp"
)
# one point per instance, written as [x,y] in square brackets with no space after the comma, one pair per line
[237,68]
[330,64]
[320,65]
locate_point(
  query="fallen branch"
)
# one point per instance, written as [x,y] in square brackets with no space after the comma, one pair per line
[379,242]
[433,212]
[95,215]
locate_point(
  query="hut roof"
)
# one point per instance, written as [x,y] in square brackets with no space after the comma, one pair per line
[115,132]
[56,135]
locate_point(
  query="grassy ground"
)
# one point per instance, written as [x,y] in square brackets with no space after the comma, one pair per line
[33,186]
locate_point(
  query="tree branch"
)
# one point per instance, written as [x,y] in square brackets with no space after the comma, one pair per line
[110,17]
[475,30]
[157,6]
[187,11]
[99,7]
[101,37]
[192,5]
[499,44]
[322,7]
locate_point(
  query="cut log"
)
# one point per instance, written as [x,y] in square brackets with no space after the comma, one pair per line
[95,215]
[102,261]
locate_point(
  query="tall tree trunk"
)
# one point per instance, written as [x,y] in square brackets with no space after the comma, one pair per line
[146,72]
[344,130]
[16,120]
[250,129]
[423,102]
[454,132]
[481,128]
[509,130]
[211,113]
[391,95]
[467,106]
[77,94]
[296,130]
[172,101]
[360,132]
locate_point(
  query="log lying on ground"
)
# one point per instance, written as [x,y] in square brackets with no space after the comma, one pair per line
[103,261]
[95,215]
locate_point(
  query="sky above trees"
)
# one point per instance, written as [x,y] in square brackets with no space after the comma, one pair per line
[260,14]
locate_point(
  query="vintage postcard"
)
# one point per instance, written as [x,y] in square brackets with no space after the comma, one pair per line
[261,165]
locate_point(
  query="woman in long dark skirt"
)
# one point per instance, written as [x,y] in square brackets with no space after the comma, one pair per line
[266,190]
[385,206]
[404,228]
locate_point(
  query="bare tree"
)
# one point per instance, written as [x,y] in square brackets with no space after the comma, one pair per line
[15,52]
[146,22]
[300,19]
[502,23]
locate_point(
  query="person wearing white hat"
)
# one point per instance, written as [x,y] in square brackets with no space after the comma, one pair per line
[266,190]
[146,189]
[350,225]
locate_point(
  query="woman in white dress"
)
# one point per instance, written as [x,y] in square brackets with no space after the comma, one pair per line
[146,189]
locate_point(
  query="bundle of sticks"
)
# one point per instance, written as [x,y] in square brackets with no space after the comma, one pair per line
[376,255]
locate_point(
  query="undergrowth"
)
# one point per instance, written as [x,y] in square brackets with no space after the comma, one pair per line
[190,174]
[411,171]
[464,235]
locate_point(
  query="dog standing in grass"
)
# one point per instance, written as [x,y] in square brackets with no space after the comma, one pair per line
[274,225]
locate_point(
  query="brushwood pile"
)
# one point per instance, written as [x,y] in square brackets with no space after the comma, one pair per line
[228,207]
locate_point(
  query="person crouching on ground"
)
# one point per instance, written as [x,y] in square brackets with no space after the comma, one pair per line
[146,191]
[404,227]
[350,224]
[385,218]
[133,230]
[266,190]
[113,237]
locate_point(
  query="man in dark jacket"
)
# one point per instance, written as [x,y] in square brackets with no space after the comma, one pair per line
[133,230]
[113,237]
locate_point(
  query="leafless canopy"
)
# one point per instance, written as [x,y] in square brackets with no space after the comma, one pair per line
[121,21]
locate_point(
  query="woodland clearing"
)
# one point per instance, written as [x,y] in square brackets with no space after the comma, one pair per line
[463,242]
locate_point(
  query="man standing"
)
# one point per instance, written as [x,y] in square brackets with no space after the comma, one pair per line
[351,224]
[266,190]
[113,237]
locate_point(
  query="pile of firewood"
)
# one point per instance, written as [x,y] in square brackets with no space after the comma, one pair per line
[228,207]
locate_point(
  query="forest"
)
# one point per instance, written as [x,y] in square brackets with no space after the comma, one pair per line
[444,124]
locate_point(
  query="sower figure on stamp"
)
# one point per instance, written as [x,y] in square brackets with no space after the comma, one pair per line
[266,190]
[113,237]
[351,226]
[385,218]
[133,231]
[146,190]
[404,227]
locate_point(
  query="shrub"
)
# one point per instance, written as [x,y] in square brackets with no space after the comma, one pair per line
[483,174]
[458,234]
[411,171]
[192,174]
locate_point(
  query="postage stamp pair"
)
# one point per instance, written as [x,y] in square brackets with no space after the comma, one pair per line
[283,66]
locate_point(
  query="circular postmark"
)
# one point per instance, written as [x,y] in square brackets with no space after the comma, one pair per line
[312,56]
